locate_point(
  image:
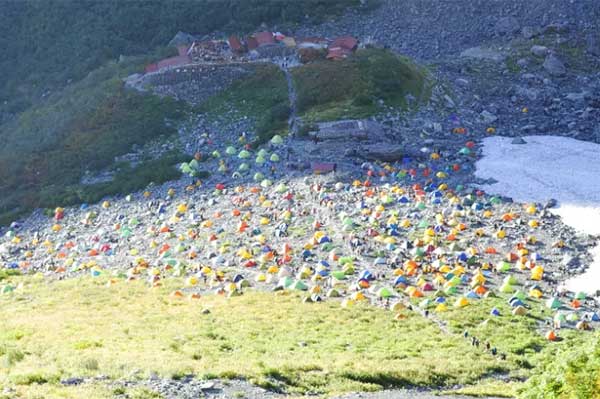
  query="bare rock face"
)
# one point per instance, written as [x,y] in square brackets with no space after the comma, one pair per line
[382,152]
[348,130]
[554,66]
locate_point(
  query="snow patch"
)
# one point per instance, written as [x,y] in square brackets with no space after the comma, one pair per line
[546,167]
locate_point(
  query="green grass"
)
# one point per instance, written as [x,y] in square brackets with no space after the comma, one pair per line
[126,180]
[571,372]
[274,340]
[566,369]
[263,96]
[48,148]
[352,88]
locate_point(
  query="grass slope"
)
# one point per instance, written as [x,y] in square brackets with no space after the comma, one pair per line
[48,149]
[552,369]
[275,340]
[352,88]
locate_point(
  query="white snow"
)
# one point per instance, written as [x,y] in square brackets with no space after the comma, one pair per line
[562,168]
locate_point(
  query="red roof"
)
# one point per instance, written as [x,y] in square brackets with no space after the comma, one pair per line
[252,43]
[345,42]
[235,44]
[151,68]
[182,49]
[337,53]
[174,61]
[264,38]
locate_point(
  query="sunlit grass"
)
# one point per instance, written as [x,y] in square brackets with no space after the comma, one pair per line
[81,327]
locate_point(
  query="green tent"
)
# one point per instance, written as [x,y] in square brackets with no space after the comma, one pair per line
[195,165]
[581,295]
[230,150]
[426,303]
[504,266]
[244,154]
[520,294]
[299,285]
[286,282]
[507,288]
[511,280]
[262,153]
[244,167]
[338,275]
[553,303]
[258,176]
[385,292]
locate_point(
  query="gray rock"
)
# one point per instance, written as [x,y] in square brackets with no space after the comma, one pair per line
[207,385]
[481,53]
[592,44]
[518,140]
[554,66]
[528,32]
[576,97]
[539,51]
[488,117]
[437,127]
[449,102]
[72,381]
[382,152]
[507,26]
[522,62]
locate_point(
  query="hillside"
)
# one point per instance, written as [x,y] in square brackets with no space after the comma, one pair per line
[62,118]
[311,199]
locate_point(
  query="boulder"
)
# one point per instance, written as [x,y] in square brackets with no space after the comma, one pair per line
[539,51]
[554,66]
[348,130]
[382,152]
[488,117]
[592,44]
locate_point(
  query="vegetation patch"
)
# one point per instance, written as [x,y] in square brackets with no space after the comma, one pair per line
[127,179]
[262,96]
[274,340]
[356,87]
[572,371]
[46,45]
[48,148]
